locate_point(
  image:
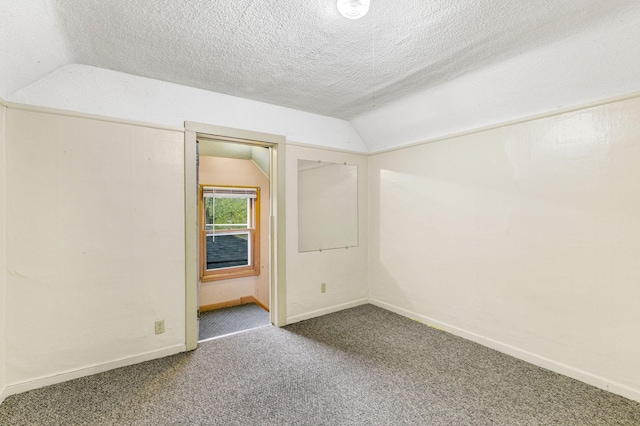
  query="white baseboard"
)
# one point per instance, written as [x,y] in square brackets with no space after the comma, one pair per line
[540,361]
[40,382]
[325,311]
[3,391]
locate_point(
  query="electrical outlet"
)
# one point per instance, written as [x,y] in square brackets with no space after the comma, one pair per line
[160,327]
[323,288]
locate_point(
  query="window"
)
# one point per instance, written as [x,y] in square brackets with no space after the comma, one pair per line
[230,240]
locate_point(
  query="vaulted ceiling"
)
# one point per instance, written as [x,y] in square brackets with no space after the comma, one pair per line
[302,55]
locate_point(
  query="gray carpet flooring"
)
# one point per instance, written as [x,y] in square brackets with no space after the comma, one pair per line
[361,366]
[230,320]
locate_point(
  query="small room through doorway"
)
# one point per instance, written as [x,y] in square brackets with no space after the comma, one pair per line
[234,225]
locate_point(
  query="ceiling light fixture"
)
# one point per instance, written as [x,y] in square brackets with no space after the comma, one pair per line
[353,9]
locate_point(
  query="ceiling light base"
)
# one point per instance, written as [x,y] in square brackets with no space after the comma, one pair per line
[353,9]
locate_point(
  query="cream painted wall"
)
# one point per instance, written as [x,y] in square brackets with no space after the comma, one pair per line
[230,171]
[95,245]
[343,270]
[3,239]
[525,238]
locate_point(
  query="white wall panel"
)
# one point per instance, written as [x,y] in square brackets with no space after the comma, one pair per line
[95,243]
[93,90]
[343,270]
[588,67]
[525,238]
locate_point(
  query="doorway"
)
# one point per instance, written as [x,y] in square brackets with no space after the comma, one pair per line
[212,142]
[234,210]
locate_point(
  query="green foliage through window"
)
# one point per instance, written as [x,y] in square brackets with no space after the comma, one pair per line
[232,211]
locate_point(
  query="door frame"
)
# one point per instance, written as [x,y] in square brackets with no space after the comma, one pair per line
[277,228]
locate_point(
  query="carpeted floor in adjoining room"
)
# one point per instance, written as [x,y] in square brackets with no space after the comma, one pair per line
[230,320]
[361,366]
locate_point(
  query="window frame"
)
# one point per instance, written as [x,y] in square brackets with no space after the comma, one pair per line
[253,218]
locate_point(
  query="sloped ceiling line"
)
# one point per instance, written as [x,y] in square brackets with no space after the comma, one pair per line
[306,57]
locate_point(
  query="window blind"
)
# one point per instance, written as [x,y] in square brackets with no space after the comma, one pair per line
[213,192]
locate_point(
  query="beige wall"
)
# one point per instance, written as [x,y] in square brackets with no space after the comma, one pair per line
[230,171]
[343,270]
[525,238]
[95,245]
[3,169]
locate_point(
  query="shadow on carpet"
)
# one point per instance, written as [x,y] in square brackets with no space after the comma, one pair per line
[231,320]
[361,366]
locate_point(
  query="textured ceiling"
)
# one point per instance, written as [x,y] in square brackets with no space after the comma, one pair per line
[304,55]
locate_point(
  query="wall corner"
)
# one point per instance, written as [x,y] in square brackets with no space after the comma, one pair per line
[3,168]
